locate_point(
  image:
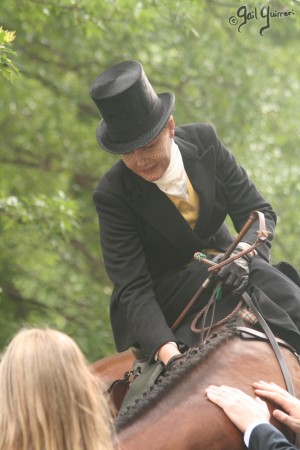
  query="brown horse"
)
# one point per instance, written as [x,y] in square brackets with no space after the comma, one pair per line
[175,413]
[113,367]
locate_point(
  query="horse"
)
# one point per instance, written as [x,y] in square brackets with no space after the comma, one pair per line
[175,413]
[113,367]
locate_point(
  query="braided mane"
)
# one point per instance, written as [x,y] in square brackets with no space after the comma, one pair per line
[169,380]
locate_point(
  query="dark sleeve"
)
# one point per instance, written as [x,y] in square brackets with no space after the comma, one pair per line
[267,437]
[126,266]
[239,194]
[242,196]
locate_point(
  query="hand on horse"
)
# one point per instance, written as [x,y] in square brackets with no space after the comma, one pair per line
[240,408]
[287,402]
[235,275]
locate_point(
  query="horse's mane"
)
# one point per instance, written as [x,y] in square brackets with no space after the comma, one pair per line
[172,377]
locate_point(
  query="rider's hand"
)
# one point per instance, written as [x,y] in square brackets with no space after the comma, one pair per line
[235,275]
[167,351]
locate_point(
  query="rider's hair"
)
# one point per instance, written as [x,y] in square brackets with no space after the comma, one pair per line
[49,398]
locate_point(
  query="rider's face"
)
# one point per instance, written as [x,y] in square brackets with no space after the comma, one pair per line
[151,161]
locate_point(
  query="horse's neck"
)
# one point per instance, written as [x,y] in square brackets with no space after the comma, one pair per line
[185,419]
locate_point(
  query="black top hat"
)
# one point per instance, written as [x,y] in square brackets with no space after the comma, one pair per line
[132,113]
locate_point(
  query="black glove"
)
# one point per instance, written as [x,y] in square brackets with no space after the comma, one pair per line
[172,361]
[235,275]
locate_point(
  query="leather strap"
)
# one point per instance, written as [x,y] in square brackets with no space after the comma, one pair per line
[255,334]
[262,236]
[273,342]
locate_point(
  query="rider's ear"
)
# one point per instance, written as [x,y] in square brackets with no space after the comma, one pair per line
[171,126]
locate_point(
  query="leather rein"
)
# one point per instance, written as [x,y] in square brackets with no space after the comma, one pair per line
[262,235]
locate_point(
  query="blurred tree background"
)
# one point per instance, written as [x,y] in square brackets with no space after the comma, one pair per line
[245,83]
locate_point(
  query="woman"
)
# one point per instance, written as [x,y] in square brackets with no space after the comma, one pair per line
[49,398]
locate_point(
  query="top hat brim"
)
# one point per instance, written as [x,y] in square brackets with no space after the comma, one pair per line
[104,139]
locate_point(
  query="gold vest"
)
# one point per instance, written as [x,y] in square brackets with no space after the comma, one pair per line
[188,209]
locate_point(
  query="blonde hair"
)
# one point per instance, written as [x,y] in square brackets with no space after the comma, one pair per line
[49,399]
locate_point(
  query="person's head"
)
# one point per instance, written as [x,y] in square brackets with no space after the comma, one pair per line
[133,115]
[152,160]
[49,399]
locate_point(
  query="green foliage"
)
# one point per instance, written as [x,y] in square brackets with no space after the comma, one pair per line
[247,85]
[7,68]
